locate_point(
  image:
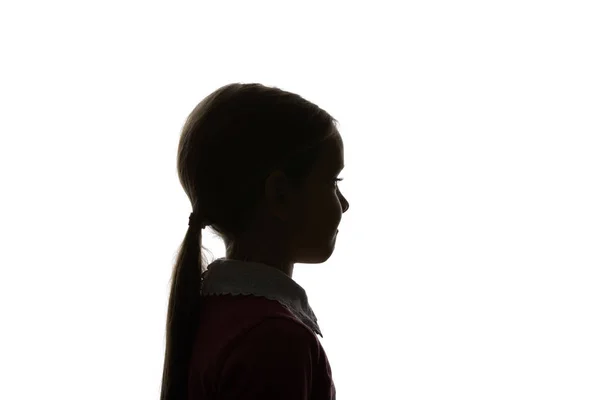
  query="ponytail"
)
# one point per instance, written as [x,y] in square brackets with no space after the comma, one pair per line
[182,316]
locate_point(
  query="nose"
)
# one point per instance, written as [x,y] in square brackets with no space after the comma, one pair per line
[345,205]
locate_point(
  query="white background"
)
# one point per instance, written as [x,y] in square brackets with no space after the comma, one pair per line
[467,265]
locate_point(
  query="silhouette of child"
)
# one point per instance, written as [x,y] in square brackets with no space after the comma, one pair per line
[260,166]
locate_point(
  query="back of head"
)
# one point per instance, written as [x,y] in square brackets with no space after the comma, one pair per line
[229,144]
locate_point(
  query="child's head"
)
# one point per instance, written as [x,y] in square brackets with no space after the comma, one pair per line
[260,164]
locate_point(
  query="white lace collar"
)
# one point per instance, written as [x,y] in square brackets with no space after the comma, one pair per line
[227,276]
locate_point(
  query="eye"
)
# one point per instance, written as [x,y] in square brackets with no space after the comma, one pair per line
[336,180]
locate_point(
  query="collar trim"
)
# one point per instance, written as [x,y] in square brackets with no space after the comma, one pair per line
[235,277]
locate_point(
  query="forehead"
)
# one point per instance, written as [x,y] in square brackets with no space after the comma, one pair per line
[332,155]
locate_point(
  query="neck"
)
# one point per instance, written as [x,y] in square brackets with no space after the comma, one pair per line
[286,267]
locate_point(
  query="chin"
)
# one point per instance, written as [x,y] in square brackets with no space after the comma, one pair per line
[318,257]
[314,260]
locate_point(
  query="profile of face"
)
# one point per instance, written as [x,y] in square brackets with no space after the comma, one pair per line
[298,224]
[320,207]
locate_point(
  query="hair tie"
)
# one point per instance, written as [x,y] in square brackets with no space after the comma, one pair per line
[196,221]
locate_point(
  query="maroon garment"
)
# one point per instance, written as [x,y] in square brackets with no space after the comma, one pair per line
[251,348]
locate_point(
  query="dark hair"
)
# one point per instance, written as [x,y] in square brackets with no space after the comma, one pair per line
[229,144]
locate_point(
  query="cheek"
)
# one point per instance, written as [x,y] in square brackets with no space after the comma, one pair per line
[316,214]
[331,211]
[320,212]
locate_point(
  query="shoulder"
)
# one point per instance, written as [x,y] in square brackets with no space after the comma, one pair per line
[247,313]
[276,357]
[276,332]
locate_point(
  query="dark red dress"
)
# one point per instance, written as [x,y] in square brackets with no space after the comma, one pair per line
[257,338]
